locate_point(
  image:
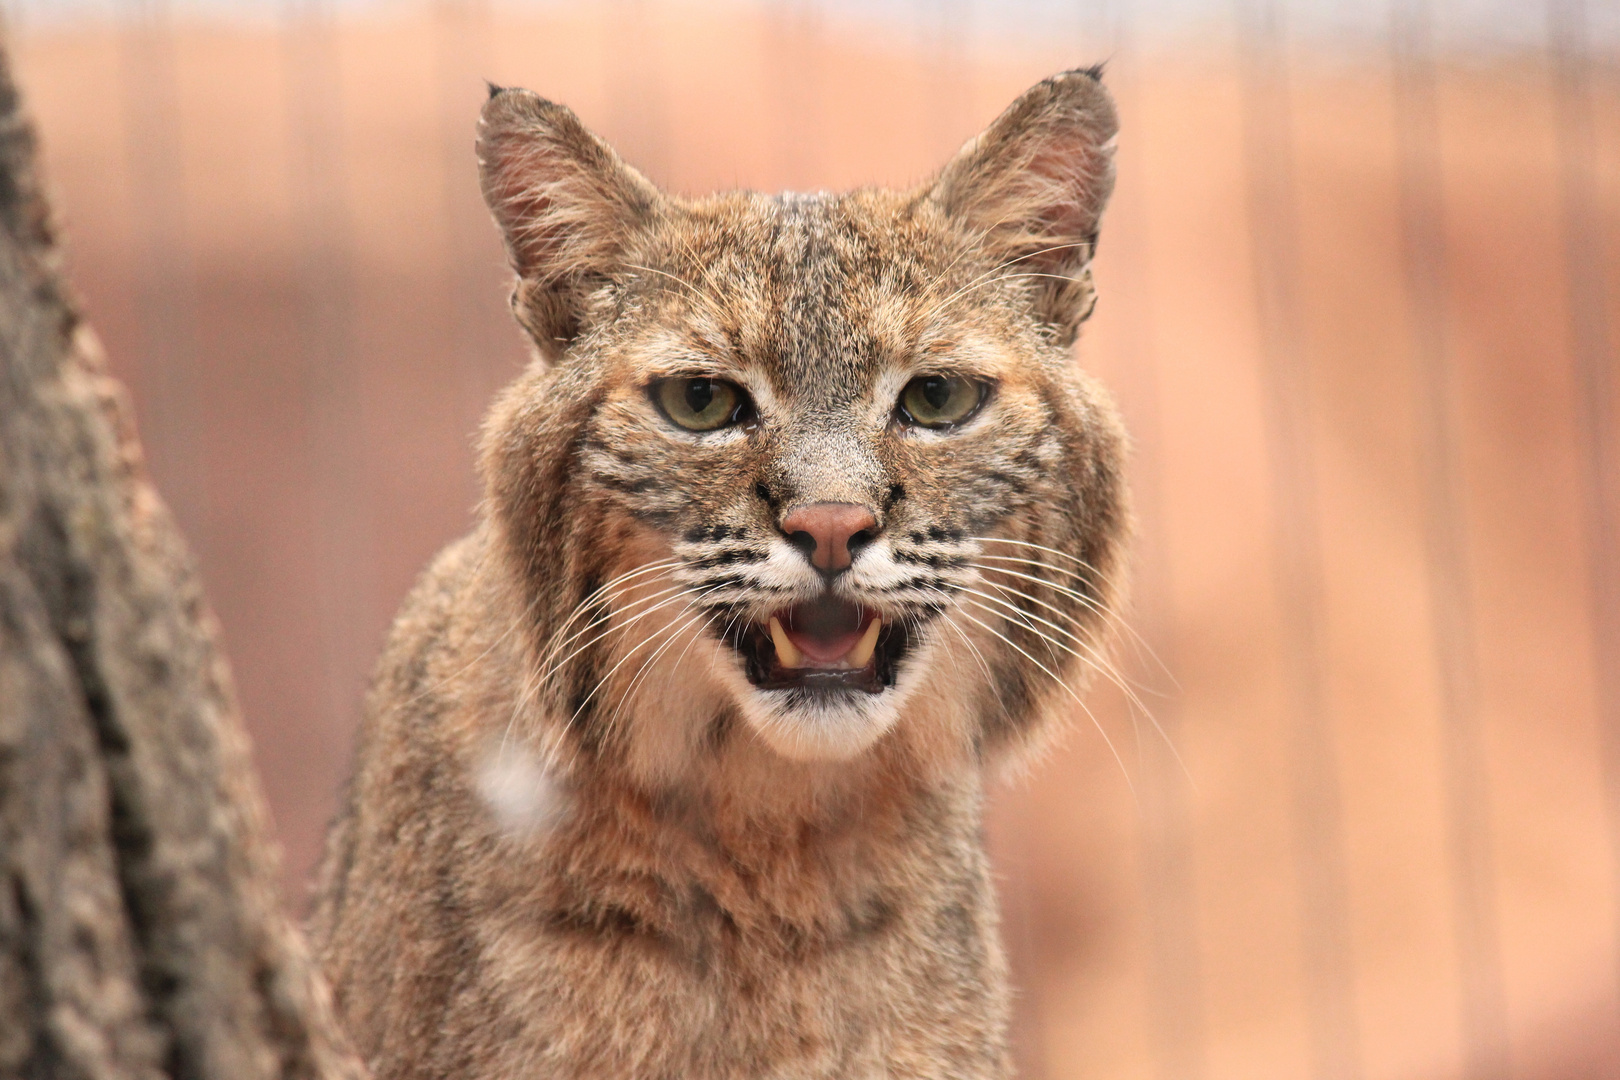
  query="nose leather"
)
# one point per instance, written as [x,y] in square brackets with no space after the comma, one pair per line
[823,531]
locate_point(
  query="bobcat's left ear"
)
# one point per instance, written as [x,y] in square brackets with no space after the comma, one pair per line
[1032,186]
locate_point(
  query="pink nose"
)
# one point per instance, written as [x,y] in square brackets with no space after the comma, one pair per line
[824,531]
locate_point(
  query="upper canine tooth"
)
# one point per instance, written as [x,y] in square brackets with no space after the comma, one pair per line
[787,653]
[861,654]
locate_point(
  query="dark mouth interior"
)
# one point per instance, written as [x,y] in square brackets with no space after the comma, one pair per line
[826,619]
[823,628]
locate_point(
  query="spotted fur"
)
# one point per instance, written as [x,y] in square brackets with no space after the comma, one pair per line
[579,842]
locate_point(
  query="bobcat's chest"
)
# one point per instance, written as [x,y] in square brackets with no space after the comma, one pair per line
[892,989]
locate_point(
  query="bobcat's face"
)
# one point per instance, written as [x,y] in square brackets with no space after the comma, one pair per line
[817,450]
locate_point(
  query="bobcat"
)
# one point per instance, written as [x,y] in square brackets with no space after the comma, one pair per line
[801,520]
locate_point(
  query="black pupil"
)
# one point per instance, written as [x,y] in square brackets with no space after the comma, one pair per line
[699,394]
[936,390]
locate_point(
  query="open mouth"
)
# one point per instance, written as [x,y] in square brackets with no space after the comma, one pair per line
[822,644]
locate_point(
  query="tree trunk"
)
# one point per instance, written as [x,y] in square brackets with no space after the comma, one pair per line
[140,934]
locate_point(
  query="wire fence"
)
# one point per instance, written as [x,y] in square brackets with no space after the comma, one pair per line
[1358,305]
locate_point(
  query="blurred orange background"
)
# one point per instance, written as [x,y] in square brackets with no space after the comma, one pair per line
[1360,298]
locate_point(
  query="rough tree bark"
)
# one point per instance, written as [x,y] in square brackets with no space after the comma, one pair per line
[140,934]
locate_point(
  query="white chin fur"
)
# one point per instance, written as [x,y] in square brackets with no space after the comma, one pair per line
[820,728]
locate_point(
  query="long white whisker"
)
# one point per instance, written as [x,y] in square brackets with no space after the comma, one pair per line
[712,303]
[1024,617]
[949,608]
[1093,657]
[1129,686]
[604,595]
[1111,672]
[1018,613]
[542,669]
[647,664]
[1060,589]
[1073,575]
[1108,614]
[609,591]
[984,666]
[1039,547]
[1090,578]
[603,681]
[1015,591]
[609,626]
[1100,663]
[1112,616]
[531,685]
[542,673]
[1010,590]
[606,621]
[693,641]
[1103,667]
[987,276]
[1068,690]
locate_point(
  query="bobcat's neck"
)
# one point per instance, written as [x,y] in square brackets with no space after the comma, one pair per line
[748,843]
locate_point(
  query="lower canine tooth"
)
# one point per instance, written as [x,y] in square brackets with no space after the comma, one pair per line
[787,653]
[861,654]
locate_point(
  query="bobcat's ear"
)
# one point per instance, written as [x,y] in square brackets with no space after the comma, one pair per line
[1032,186]
[565,203]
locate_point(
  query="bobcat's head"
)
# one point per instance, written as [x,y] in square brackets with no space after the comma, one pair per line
[804,460]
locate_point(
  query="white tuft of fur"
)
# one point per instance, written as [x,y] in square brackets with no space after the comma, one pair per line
[519,791]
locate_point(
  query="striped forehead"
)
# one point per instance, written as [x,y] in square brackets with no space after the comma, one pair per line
[826,277]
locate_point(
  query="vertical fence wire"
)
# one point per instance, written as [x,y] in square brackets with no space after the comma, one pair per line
[797,92]
[1466,792]
[637,97]
[1319,843]
[1177,1020]
[462,59]
[168,367]
[944,37]
[1592,348]
[336,445]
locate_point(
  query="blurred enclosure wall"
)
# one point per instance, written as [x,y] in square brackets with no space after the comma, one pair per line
[1360,301]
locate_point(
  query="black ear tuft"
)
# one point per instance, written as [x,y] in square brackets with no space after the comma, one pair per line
[1030,190]
[494,91]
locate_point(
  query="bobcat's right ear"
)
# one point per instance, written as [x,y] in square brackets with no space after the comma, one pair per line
[565,203]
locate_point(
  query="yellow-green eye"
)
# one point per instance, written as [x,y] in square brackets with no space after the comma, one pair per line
[700,404]
[938,401]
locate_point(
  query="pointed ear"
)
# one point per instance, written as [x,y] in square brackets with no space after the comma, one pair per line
[566,205]
[1032,186]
